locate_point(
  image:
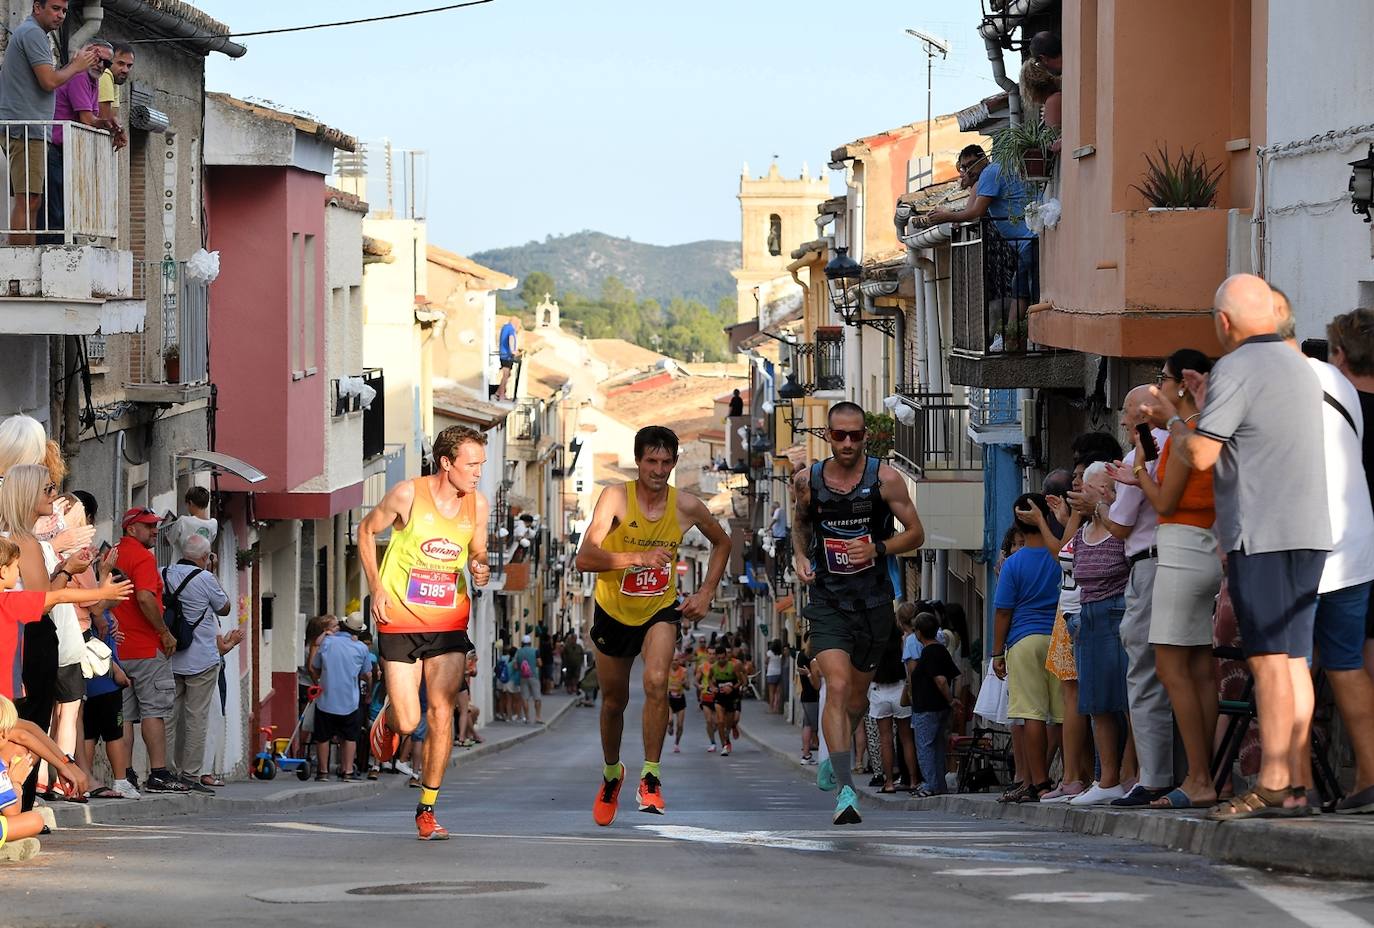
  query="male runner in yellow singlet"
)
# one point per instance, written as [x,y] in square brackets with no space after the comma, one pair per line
[631,544]
[420,602]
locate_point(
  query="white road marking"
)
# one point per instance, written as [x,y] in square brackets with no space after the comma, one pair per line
[1312,905]
[1002,871]
[1080,898]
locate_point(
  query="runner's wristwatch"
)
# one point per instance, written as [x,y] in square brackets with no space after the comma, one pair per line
[881,548]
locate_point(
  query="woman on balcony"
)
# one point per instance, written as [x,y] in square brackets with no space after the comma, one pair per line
[1186,586]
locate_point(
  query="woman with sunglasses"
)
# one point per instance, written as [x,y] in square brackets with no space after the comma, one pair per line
[53,647]
[1186,586]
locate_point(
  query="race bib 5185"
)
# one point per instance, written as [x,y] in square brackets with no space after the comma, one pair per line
[432,588]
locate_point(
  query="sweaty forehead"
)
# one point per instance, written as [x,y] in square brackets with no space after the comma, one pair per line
[847,419]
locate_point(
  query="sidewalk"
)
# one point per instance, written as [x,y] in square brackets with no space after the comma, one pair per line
[1336,846]
[285,792]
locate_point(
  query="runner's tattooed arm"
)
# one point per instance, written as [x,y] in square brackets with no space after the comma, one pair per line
[693,512]
[391,512]
[801,526]
[477,547]
[592,558]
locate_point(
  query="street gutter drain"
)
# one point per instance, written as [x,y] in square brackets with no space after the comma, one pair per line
[446,888]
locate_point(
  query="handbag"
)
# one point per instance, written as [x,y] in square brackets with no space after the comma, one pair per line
[992,700]
[95,660]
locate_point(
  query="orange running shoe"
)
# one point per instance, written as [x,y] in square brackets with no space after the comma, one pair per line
[428,828]
[650,794]
[383,741]
[607,799]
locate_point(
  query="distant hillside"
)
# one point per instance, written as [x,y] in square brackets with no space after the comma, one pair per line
[581,262]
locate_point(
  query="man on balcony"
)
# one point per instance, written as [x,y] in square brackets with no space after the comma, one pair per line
[28,82]
[508,348]
[1001,198]
[110,81]
[78,100]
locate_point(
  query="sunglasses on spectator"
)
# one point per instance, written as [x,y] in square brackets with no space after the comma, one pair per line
[855,435]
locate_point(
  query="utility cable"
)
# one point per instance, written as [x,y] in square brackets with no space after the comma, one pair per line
[346,22]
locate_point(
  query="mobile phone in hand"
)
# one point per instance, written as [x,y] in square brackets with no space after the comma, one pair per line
[1147,441]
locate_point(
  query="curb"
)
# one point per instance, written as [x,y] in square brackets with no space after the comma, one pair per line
[307,795]
[1327,845]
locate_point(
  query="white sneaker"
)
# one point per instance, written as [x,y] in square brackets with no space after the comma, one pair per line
[1097,795]
[125,789]
[49,819]
[403,767]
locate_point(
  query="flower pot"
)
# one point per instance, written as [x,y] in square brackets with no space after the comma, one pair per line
[1038,163]
[173,368]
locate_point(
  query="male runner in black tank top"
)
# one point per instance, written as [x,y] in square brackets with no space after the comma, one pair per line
[842,541]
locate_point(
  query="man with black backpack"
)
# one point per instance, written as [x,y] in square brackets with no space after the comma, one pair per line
[192,603]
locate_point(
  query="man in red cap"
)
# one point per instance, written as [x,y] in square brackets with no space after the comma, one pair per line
[145,651]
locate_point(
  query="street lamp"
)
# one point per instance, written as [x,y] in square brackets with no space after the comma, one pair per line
[843,273]
[790,389]
[1362,185]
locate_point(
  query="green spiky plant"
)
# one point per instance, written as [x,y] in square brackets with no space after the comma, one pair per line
[1010,145]
[1187,181]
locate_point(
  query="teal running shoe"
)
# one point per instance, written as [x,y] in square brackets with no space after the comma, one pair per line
[825,776]
[847,808]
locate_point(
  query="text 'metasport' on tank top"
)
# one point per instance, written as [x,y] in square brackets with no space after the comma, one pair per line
[422,570]
[837,519]
[632,596]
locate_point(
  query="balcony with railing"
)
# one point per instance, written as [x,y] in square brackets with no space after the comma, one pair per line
[944,467]
[59,263]
[828,359]
[170,361]
[994,416]
[994,282]
[936,445]
[714,480]
[525,430]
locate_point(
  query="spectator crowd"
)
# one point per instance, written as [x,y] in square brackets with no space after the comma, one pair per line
[1228,554]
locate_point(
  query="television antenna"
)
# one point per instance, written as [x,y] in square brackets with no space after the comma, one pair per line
[931,46]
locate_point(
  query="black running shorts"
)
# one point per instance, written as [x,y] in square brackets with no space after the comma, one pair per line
[613,638]
[409,647]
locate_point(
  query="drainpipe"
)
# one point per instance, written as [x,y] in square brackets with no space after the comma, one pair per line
[92,16]
[935,342]
[871,289]
[999,74]
[930,361]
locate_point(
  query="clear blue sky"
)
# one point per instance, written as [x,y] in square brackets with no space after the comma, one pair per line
[630,117]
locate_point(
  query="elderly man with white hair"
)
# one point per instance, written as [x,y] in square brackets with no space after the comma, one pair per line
[196,668]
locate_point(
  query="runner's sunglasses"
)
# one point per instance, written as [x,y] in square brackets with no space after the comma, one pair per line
[854,435]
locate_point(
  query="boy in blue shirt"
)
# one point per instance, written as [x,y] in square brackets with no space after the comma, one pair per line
[1026,599]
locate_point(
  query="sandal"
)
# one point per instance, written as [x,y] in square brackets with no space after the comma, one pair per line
[210,779]
[1016,789]
[889,790]
[103,792]
[321,777]
[1033,792]
[1258,803]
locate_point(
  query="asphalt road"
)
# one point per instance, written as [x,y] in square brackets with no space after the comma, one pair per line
[746,840]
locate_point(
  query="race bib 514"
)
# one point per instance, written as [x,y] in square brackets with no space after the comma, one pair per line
[646,581]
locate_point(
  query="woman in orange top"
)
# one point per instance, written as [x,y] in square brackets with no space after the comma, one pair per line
[1186,587]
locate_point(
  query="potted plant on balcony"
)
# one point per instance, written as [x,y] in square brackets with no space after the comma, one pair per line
[171,362]
[1185,182]
[1025,151]
[882,430]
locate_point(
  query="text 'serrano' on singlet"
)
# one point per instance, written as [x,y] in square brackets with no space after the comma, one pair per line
[422,570]
[634,594]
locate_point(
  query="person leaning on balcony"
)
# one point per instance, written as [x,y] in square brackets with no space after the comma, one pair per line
[1259,429]
[1041,88]
[28,83]
[111,79]
[1002,199]
[1047,50]
[78,100]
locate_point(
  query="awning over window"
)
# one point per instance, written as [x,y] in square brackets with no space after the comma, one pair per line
[215,461]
